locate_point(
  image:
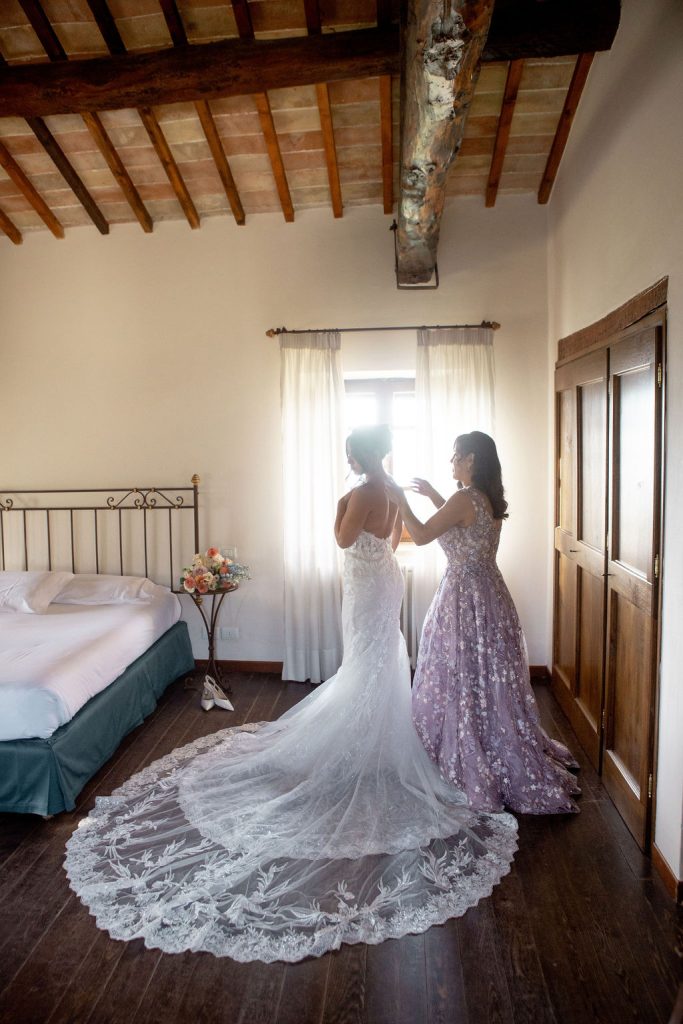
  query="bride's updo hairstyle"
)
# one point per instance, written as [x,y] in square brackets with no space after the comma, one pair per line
[487,475]
[366,444]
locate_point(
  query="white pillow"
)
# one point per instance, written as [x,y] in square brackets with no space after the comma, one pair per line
[92,588]
[30,591]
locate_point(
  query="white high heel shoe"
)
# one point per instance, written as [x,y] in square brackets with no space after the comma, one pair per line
[213,695]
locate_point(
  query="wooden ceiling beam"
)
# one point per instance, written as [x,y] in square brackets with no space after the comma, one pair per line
[42,26]
[273,146]
[246,31]
[581,69]
[123,179]
[387,129]
[325,111]
[312,12]
[158,140]
[107,26]
[174,22]
[440,70]
[202,71]
[314,26]
[220,159]
[12,168]
[240,8]
[176,29]
[514,77]
[10,229]
[520,29]
[55,51]
[54,151]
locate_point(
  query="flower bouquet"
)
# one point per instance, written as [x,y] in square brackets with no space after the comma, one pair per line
[211,572]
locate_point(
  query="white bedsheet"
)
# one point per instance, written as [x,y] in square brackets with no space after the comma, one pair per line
[52,664]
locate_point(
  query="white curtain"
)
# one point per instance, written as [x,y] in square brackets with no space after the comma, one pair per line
[454,390]
[312,390]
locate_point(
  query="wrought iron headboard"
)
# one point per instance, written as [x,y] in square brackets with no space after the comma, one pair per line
[54,529]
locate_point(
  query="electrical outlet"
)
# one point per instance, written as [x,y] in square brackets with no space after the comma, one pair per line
[230,633]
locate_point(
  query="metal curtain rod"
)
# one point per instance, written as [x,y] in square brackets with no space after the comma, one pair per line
[273,331]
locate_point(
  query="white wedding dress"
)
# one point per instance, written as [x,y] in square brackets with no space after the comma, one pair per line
[283,840]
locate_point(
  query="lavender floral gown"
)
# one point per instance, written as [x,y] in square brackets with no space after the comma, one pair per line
[473,705]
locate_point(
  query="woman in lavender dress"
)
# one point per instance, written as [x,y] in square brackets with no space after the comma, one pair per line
[473,705]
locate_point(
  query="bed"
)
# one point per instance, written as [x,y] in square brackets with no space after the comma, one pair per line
[86,655]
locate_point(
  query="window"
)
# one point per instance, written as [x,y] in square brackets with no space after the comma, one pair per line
[386,400]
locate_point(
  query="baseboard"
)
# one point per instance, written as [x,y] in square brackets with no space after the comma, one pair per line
[539,673]
[271,667]
[673,885]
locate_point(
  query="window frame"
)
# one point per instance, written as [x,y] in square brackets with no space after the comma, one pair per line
[384,388]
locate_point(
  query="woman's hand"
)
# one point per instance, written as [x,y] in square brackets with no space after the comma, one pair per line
[420,486]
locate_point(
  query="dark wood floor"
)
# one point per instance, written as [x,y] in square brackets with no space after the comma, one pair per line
[579,931]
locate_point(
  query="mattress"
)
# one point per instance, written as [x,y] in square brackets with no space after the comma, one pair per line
[52,664]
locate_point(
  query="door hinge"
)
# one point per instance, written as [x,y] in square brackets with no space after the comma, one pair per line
[659,375]
[656,567]
[649,786]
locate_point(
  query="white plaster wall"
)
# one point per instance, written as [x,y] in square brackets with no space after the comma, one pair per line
[142,359]
[616,224]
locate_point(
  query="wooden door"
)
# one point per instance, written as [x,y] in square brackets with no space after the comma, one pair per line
[633,571]
[580,542]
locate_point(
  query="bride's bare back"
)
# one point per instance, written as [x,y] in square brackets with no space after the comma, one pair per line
[367,508]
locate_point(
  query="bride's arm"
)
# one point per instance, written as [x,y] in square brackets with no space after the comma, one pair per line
[351,520]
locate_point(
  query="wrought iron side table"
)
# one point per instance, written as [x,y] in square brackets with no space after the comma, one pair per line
[212,672]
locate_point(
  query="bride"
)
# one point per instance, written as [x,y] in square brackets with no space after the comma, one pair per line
[284,839]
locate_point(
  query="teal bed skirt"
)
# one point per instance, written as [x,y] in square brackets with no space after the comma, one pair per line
[44,776]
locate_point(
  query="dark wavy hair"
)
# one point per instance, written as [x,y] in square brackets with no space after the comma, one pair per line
[365,442]
[487,475]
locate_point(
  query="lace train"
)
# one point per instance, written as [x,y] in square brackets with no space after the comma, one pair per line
[282,840]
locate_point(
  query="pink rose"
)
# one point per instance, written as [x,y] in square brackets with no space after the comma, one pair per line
[188,584]
[213,553]
[202,586]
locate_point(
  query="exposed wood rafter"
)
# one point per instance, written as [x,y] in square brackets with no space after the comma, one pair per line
[174,23]
[54,151]
[571,102]
[107,26]
[314,26]
[55,51]
[273,146]
[116,46]
[325,111]
[42,27]
[514,77]
[158,140]
[220,159]
[246,31]
[10,229]
[440,68]
[123,179]
[12,168]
